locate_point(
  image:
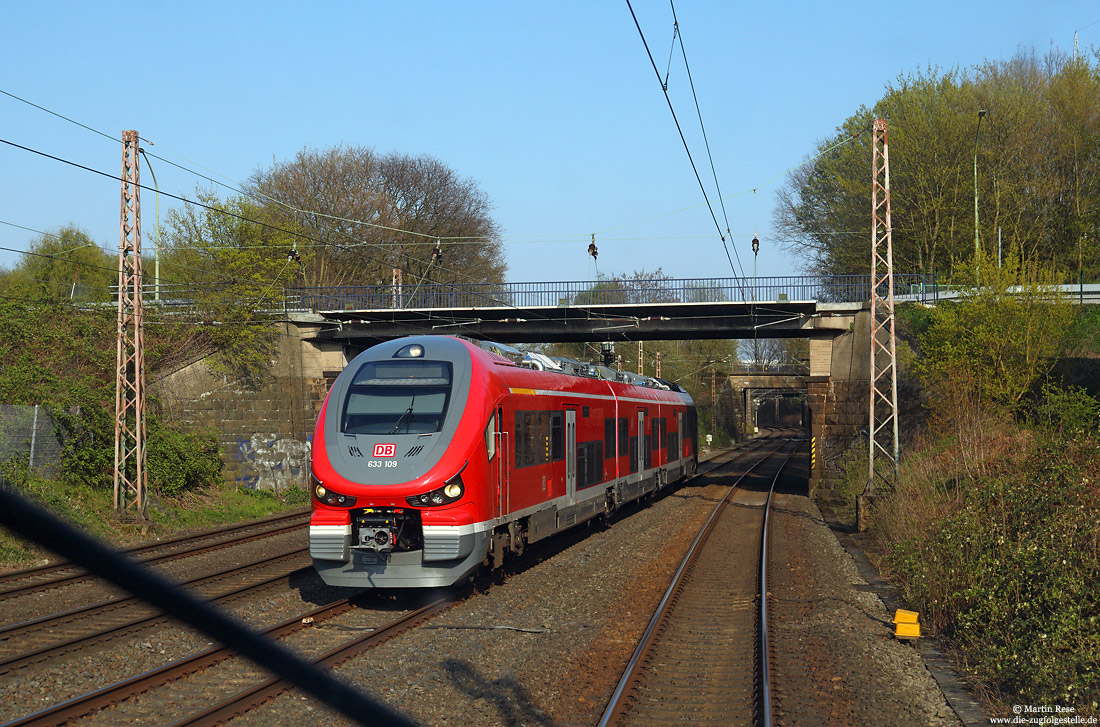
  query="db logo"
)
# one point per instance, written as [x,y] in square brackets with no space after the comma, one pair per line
[385,450]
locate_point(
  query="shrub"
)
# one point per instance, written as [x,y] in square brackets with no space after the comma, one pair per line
[1009,572]
[179,461]
[1069,412]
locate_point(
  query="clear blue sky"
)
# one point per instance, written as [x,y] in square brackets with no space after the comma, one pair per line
[552,107]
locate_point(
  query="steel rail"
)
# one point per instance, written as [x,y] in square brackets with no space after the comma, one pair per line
[196,550]
[83,705]
[145,547]
[254,697]
[30,521]
[18,630]
[765,679]
[616,707]
[86,704]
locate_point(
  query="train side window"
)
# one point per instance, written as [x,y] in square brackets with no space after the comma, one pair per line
[609,438]
[557,436]
[490,437]
[525,439]
[539,437]
[624,435]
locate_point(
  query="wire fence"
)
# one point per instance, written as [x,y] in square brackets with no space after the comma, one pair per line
[30,435]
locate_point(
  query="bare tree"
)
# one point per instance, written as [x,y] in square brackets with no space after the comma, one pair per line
[448,235]
[335,197]
[366,214]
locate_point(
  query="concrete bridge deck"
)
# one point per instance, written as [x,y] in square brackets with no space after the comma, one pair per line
[594,322]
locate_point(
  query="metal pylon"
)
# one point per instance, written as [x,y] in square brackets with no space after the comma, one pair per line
[130,469]
[883,425]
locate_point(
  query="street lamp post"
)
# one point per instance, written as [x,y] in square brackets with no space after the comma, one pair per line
[978,128]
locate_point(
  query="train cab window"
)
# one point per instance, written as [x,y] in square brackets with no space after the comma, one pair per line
[491,437]
[397,397]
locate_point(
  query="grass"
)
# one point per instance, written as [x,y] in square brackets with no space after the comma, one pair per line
[92,510]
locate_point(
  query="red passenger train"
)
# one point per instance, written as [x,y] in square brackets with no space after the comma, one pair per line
[433,456]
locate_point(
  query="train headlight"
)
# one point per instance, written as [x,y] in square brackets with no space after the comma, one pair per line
[452,490]
[328,497]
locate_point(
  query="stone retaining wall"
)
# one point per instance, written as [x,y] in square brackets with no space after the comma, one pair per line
[265,435]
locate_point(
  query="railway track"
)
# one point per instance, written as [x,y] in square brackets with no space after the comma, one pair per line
[234,684]
[51,575]
[192,683]
[703,657]
[58,634]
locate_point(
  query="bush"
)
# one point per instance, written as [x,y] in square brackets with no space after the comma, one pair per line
[1009,571]
[1070,412]
[179,461]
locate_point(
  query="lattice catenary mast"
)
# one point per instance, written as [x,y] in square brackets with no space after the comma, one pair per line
[130,470]
[883,454]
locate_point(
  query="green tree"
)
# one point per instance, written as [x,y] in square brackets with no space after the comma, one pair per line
[67,265]
[233,260]
[1038,161]
[986,351]
[62,357]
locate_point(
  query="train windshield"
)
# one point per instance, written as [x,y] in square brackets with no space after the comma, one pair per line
[397,397]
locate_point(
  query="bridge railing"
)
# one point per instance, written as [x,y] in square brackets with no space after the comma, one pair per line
[823,288]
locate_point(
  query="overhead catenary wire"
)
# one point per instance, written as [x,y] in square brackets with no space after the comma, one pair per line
[238,216]
[197,203]
[348,247]
[175,286]
[462,239]
[436,237]
[668,100]
[106,251]
[214,181]
[702,128]
[750,190]
[241,192]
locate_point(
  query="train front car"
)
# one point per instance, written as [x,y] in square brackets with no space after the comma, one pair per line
[399,461]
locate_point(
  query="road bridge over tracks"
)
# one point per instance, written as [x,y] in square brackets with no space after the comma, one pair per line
[604,310]
[829,310]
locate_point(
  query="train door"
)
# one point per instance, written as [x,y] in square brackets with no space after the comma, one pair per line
[680,436]
[571,456]
[642,448]
[496,444]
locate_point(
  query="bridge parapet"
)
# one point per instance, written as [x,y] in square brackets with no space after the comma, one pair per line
[429,295]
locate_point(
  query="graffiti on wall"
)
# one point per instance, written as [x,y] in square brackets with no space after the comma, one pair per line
[272,462]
